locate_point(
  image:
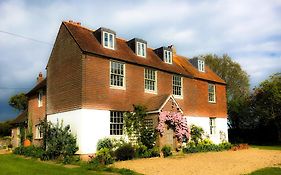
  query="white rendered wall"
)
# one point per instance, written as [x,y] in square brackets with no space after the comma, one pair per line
[204,122]
[88,125]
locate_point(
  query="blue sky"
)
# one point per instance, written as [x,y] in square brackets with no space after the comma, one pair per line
[248,30]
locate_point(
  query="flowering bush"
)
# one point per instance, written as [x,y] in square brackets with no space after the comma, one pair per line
[176,121]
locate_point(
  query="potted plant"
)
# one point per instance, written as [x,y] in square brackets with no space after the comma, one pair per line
[27,141]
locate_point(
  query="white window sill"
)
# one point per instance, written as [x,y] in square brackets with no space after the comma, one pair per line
[118,87]
[142,56]
[178,96]
[150,92]
[111,48]
[213,102]
[168,62]
[38,138]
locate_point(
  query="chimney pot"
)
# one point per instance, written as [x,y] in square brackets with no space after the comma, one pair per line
[40,77]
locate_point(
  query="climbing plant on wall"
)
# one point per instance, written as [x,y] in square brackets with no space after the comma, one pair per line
[176,121]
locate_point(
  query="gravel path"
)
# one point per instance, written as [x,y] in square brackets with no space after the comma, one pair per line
[227,162]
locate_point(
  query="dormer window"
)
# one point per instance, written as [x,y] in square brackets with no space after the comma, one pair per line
[198,63]
[141,49]
[138,46]
[201,65]
[108,40]
[168,56]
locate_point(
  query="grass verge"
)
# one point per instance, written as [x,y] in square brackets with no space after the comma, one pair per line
[267,171]
[16,165]
[267,147]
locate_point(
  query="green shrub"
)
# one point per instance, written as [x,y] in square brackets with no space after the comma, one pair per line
[59,142]
[226,145]
[105,143]
[104,156]
[125,152]
[94,164]
[205,146]
[155,152]
[166,150]
[18,150]
[196,134]
[30,151]
[148,137]
[140,151]
[143,152]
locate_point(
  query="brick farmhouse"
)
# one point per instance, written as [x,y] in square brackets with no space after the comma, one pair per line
[93,76]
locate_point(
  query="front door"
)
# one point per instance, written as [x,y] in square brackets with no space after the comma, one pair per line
[169,137]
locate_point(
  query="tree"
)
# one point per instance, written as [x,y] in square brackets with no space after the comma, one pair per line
[19,101]
[237,88]
[267,102]
[231,72]
[5,128]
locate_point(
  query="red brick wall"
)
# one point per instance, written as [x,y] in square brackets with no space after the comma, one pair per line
[35,114]
[76,80]
[64,72]
[98,94]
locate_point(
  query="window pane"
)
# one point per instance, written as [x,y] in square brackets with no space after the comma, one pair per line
[177,85]
[106,39]
[116,127]
[143,49]
[117,74]
[150,80]
[138,48]
[111,40]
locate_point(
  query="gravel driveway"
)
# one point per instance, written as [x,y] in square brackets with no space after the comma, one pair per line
[227,162]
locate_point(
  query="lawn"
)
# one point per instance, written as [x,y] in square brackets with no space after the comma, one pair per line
[267,171]
[267,147]
[12,164]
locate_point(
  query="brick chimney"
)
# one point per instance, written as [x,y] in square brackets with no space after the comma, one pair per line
[40,77]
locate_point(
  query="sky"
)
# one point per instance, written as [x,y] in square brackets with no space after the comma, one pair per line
[247,30]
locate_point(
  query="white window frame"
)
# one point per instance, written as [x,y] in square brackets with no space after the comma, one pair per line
[116,121]
[110,45]
[40,98]
[201,65]
[212,123]
[168,56]
[149,80]
[116,74]
[141,49]
[177,86]
[38,133]
[212,95]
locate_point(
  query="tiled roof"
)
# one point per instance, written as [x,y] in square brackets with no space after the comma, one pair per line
[155,103]
[88,43]
[21,118]
[38,86]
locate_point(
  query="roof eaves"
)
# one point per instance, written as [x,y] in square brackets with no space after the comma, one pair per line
[132,62]
[40,85]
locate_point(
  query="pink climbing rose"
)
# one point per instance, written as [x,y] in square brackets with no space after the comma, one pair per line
[176,121]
